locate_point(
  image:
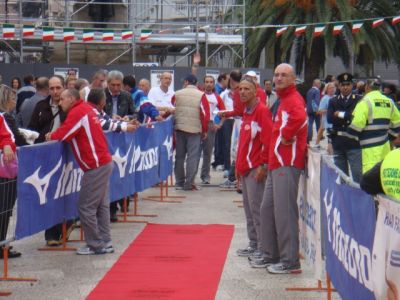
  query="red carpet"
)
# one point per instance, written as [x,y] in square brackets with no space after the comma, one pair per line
[169,262]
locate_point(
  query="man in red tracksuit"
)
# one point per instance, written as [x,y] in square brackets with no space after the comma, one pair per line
[252,159]
[287,152]
[83,131]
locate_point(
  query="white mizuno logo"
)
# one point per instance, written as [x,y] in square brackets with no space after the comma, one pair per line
[168,144]
[42,184]
[121,161]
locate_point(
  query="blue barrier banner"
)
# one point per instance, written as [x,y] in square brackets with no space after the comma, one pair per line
[349,224]
[49,178]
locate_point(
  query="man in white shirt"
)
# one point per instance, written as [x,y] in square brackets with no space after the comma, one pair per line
[161,96]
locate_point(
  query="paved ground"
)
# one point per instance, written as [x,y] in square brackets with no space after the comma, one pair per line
[64,275]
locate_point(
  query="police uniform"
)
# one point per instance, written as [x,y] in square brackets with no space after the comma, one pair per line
[376,120]
[346,149]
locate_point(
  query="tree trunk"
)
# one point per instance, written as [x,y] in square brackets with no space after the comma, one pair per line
[314,63]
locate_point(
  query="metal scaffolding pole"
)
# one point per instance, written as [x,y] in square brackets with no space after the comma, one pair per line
[244,36]
[67,43]
[21,50]
[133,26]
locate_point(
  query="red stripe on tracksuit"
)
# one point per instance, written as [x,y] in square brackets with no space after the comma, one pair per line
[83,131]
[254,139]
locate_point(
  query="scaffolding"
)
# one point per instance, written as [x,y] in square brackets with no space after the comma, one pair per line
[181,29]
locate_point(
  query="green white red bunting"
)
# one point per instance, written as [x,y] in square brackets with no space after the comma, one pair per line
[300,30]
[337,29]
[108,35]
[127,34]
[48,34]
[318,30]
[88,35]
[356,27]
[28,30]
[377,23]
[144,34]
[281,31]
[396,20]
[68,34]
[8,31]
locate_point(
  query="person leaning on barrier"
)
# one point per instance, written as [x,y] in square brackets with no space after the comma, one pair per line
[8,187]
[97,98]
[384,177]
[376,121]
[89,145]
[346,150]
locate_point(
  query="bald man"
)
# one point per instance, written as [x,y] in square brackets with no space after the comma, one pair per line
[161,96]
[279,229]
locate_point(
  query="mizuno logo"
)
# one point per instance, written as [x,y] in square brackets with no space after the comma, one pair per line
[42,184]
[121,161]
[168,144]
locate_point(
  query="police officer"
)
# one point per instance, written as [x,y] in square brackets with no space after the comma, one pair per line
[376,120]
[346,149]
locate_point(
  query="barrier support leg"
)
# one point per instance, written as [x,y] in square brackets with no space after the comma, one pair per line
[166,191]
[135,209]
[64,241]
[318,288]
[161,198]
[125,214]
[5,276]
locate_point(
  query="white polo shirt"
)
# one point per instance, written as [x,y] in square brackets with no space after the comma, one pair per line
[160,99]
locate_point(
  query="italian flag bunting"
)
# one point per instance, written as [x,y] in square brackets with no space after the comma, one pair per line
[300,30]
[69,34]
[356,27]
[318,30]
[8,30]
[280,31]
[28,30]
[396,20]
[88,35]
[337,29]
[377,23]
[48,34]
[108,35]
[144,34]
[127,34]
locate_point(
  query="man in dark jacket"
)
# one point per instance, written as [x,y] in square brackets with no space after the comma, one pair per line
[119,105]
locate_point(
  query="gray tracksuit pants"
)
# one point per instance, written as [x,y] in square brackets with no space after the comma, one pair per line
[280,216]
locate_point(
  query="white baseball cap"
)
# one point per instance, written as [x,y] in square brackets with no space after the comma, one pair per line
[251,74]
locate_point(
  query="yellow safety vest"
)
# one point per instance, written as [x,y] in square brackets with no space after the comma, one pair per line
[375,117]
[390,174]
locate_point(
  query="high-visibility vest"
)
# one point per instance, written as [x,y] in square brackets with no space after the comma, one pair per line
[375,119]
[390,174]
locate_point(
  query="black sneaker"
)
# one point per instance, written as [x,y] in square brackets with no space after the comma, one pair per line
[281,268]
[246,252]
[263,262]
[258,254]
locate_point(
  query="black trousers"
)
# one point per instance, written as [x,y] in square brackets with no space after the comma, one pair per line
[8,196]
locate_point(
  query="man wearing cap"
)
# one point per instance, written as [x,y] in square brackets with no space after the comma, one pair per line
[376,121]
[192,113]
[261,96]
[346,149]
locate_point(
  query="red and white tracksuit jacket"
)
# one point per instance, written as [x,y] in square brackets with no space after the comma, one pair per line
[254,139]
[6,135]
[239,107]
[291,124]
[215,101]
[83,130]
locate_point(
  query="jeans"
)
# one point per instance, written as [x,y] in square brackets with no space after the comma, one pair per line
[311,119]
[344,158]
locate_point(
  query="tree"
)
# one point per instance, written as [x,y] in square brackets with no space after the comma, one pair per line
[310,52]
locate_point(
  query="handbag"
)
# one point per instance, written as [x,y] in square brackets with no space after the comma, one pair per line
[8,170]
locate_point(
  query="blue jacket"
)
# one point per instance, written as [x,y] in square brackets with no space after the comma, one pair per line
[313,98]
[142,105]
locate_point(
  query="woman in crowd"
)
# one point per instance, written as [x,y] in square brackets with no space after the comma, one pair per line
[16,84]
[329,92]
[8,187]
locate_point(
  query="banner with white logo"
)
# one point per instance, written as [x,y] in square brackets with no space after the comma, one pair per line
[348,216]
[386,252]
[309,203]
[49,178]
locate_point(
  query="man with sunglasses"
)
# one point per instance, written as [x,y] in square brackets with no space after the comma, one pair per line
[346,149]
